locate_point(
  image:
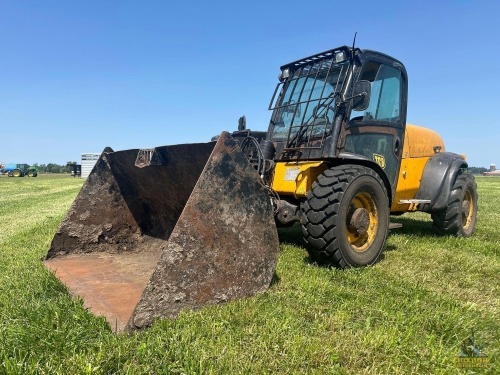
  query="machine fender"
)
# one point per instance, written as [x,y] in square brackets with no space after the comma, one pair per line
[349,158]
[437,181]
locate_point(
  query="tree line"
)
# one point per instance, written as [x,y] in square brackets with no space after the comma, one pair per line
[58,168]
[477,170]
[54,168]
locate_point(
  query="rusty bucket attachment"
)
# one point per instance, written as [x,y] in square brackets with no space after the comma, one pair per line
[193,228]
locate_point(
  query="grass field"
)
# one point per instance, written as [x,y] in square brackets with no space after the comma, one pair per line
[408,314]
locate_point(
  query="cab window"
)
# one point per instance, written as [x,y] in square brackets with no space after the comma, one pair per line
[385,100]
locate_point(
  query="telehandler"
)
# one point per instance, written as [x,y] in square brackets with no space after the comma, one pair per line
[340,158]
[156,231]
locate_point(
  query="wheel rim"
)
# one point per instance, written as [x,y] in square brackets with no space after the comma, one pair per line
[467,209]
[361,222]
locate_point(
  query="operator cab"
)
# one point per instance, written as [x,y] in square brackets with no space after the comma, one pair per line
[304,109]
[341,104]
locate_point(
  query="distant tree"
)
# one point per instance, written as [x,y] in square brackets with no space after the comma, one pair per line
[51,168]
[477,170]
[69,166]
[54,168]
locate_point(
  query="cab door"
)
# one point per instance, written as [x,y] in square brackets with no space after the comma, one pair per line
[377,133]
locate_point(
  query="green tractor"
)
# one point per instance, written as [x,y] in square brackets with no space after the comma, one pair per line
[19,170]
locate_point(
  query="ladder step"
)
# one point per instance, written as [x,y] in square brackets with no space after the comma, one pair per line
[395,226]
[414,201]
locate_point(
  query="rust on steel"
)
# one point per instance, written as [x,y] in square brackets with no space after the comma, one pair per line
[145,243]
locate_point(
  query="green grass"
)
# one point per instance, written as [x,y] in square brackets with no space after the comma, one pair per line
[407,314]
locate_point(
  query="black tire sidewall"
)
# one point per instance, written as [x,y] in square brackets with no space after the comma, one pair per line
[448,221]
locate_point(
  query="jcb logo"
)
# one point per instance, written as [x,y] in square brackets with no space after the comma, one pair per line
[380,160]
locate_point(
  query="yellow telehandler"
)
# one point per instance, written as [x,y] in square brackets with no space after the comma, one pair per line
[156,231]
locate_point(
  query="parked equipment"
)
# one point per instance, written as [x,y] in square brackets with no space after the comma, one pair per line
[194,223]
[19,170]
[75,169]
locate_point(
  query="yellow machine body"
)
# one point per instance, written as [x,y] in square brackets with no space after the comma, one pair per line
[296,178]
[420,144]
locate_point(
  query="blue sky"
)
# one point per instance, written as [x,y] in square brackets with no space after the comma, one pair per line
[77,76]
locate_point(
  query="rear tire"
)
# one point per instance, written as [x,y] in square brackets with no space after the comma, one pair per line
[460,215]
[17,173]
[346,217]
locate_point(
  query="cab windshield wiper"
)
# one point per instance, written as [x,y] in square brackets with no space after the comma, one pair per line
[297,137]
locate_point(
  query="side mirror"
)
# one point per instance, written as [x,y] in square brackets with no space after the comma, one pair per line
[361,95]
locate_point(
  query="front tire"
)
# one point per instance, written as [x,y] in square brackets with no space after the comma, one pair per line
[346,217]
[17,173]
[460,215]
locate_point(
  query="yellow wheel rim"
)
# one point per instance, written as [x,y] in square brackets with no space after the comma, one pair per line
[467,209]
[361,222]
